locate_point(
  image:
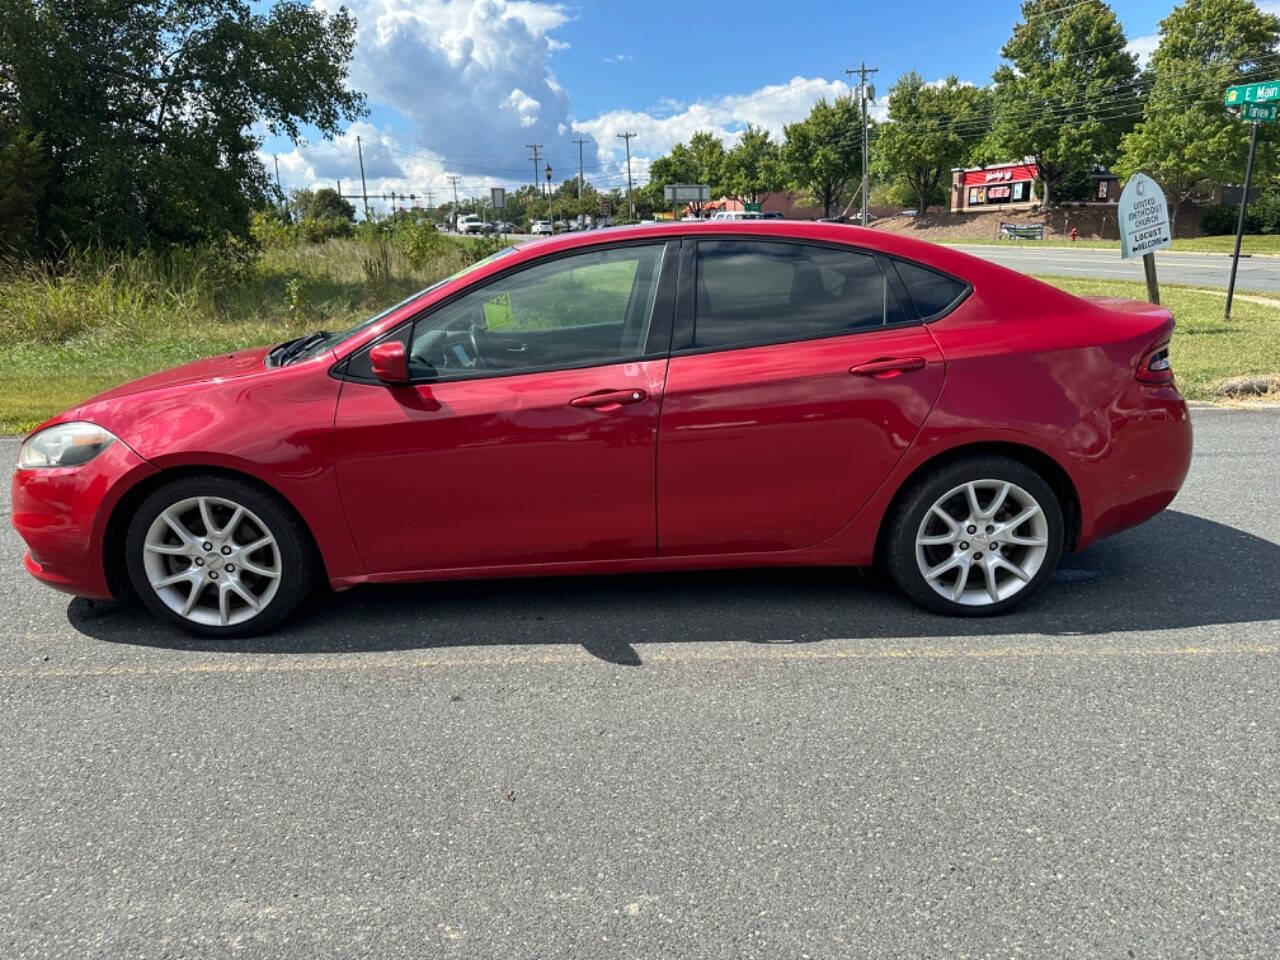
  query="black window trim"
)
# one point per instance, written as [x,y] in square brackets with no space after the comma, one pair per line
[682,335]
[657,345]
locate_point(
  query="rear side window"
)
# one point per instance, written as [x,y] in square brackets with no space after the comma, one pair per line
[933,293]
[759,291]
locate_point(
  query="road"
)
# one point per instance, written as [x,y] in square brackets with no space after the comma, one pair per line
[1192,269]
[767,764]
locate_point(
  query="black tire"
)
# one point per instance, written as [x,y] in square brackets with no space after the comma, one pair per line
[905,522]
[296,553]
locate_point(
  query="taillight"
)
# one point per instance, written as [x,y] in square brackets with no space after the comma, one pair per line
[1155,366]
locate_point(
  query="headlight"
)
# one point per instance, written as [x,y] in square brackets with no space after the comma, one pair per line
[64,445]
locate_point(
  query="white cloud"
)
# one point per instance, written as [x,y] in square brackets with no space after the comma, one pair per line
[771,106]
[620,58]
[1145,46]
[471,77]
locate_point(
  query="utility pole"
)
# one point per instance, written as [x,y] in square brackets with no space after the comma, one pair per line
[863,72]
[535,147]
[630,201]
[1244,203]
[453,179]
[580,143]
[364,190]
[284,204]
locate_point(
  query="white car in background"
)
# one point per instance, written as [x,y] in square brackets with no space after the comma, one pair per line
[541,227]
[738,215]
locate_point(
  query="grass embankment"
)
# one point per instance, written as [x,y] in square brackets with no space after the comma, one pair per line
[1206,349]
[102,320]
[1253,245]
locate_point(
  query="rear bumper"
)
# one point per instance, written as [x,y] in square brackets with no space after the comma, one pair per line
[1129,459]
[62,516]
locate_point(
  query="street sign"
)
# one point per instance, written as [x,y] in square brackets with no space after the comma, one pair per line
[1259,112]
[1144,218]
[1265,92]
[752,207]
[686,193]
[498,197]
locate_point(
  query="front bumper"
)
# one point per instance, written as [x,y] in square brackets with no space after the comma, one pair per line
[1130,459]
[62,514]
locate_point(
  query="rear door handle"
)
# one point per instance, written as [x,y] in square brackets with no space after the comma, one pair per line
[608,399]
[887,368]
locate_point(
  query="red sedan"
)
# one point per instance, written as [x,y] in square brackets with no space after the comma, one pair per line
[660,398]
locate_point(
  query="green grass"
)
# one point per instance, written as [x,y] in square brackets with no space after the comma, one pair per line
[1206,349]
[1255,244]
[103,319]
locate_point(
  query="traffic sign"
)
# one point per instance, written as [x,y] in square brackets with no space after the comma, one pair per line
[1265,92]
[752,207]
[1259,112]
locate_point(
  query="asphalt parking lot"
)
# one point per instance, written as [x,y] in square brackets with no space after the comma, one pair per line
[766,764]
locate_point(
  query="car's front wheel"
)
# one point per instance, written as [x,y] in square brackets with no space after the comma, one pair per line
[975,537]
[218,556]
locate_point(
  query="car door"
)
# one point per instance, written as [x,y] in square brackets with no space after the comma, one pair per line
[799,375]
[527,433]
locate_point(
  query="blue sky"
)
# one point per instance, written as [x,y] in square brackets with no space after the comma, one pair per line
[462,86]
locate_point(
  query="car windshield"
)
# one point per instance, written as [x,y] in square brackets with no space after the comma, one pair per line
[332,340]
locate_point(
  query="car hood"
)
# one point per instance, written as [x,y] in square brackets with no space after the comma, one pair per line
[217,369]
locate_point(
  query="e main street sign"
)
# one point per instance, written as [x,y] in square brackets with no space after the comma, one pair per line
[1144,218]
[1265,92]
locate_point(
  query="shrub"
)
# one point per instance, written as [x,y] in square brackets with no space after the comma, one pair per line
[318,231]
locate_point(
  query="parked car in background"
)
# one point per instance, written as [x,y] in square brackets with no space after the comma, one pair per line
[471,223]
[501,226]
[737,215]
[819,396]
[771,215]
[540,228]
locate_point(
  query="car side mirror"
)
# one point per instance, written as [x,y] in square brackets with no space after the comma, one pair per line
[389,362]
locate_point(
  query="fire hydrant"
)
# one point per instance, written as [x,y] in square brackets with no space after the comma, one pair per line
[1073,234]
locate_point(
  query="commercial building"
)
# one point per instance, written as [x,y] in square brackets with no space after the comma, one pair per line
[1012,186]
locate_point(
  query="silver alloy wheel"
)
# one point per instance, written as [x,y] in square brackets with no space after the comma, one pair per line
[982,542]
[212,561]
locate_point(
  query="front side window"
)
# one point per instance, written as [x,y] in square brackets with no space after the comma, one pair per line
[579,310]
[759,291]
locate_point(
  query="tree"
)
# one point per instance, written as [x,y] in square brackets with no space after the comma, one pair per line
[753,168]
[1186,137]
[322,204]
[1058,97]
[822,154]
[147,109]
[926,135]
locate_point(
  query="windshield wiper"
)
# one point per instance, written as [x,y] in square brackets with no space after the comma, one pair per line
[292,349]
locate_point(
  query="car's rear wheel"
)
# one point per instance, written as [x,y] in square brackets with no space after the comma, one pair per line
[218,556]
[975,537]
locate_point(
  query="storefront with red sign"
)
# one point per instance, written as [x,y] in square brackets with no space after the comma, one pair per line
[999,186]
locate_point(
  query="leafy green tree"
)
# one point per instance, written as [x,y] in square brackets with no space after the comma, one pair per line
[1186,137]
[23,180]
[147,108]
[822,154]
[1057,97]
[927,135]
[322,204]
[753,168]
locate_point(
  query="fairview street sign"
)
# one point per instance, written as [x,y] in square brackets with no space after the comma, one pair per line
[1264,92]
[1259,112]
[1144,218]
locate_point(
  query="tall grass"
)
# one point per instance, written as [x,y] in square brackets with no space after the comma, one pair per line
[99,317]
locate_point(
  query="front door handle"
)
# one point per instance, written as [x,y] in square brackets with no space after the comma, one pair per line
[887,368]
[608,399]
